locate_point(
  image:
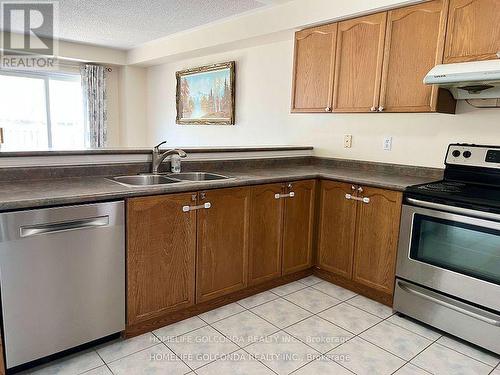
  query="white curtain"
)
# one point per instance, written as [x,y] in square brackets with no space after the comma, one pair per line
[94,98]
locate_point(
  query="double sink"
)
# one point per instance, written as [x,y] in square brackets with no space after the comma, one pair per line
[165,179]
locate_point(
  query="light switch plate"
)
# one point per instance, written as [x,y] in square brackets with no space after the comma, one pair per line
[347,141]
[387,144]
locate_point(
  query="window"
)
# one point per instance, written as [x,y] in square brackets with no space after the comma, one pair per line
[40,111]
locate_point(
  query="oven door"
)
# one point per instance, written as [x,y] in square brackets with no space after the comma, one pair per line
[452,253]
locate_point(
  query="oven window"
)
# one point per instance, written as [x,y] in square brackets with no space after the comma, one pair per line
[464,248]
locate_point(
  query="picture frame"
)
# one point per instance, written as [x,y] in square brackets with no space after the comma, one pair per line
[206,95]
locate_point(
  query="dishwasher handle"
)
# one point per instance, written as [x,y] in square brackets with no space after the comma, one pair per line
[39,229]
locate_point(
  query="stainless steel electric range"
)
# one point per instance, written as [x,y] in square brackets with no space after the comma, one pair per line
[448,267]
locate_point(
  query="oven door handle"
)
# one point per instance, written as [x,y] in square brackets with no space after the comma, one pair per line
[453,209]
[407,288]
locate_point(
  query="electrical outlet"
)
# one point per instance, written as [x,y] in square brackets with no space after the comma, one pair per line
[347,141]
[387,143]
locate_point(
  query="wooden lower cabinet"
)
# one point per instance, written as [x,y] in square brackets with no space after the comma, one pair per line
[281,230]
[298,226]
[266,229]
[357,241]
[161,247]
[222,252]
[190,251]
[377,231]
[337,224]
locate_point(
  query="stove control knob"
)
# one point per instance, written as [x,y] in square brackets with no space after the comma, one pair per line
[456,153]
[467,154]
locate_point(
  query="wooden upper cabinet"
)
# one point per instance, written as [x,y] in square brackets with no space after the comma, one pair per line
[358,67]
[414,43]
[377,233]
[161,247]
[313,69]
[222,242]
[473,31]
[266,226]
[337,224]
[298,230]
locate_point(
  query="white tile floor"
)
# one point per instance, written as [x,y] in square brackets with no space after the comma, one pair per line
[309,327]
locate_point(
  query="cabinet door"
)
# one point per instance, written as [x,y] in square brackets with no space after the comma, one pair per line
[337,223]
[161,246]
[358,68]
[313,69]
[266,228]
[377,233]
[298,230]
[414,44]
[222,243]
[473,31]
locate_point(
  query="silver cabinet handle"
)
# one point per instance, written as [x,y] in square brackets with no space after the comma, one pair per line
[449,303]
[289,195]
[205,206]
[352,197]
[328,109]
[498,54]
[381,109]
[34,230]
[373,109]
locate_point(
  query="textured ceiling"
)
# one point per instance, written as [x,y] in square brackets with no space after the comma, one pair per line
[128,23]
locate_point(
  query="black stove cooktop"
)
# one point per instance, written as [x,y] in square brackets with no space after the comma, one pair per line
[461,193]
[471,179]
[444,187]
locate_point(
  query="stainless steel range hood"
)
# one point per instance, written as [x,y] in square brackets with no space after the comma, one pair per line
[469,80]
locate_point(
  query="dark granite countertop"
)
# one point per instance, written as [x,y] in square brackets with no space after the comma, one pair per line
[140,150]
[43,193]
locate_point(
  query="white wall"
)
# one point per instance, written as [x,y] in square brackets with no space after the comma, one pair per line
[263,90]
[113,106]
[133,119]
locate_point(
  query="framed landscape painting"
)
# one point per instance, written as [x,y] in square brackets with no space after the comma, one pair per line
[205,95]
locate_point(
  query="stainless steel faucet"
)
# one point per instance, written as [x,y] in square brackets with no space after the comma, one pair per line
[159,157]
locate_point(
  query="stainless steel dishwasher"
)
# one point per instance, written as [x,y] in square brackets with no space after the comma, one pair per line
[62,278]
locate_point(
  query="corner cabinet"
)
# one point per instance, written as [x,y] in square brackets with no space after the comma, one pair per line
[358,235]
[298,226]
[313,69]
[161,250]
[281,230]
[337,227]
[473,31]
[266,233]
[222,242]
